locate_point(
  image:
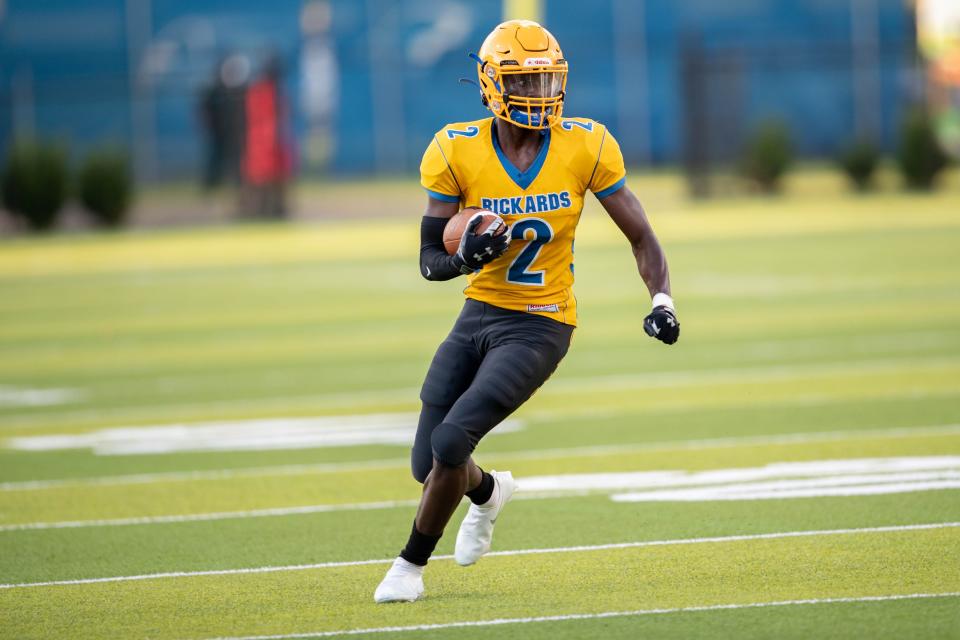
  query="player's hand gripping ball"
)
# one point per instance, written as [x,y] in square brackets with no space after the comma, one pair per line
[475,237]
[662,324]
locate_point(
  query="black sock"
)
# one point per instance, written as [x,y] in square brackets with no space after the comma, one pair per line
[483,491]
[419,547]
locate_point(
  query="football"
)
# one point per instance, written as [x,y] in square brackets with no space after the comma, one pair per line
[455,226]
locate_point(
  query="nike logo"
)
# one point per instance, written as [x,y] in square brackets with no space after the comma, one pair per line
[427,269]
[656,329]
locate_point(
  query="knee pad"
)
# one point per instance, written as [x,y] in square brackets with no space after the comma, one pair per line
[451,445]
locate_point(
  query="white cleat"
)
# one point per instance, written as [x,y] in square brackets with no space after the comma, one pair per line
[476,530]
[403,583]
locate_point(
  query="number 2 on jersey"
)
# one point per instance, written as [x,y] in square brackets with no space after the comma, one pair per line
[542,234]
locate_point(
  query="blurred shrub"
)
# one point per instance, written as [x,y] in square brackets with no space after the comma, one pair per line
[767,155]
[33,183]
[920,156]
[859,161]
[105,186]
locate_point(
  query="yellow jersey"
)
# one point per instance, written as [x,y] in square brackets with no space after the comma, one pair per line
[464,163]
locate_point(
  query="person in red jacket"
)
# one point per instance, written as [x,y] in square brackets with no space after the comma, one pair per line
[267,161]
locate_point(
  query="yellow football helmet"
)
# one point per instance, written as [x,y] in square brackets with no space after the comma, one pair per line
[522,74]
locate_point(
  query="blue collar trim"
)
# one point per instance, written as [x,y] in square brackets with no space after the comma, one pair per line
[523,179]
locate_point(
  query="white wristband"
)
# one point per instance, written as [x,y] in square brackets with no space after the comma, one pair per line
[664,300]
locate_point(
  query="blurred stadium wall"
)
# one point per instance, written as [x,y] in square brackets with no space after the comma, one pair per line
[369,81]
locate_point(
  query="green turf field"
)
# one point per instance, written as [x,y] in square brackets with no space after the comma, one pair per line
[791,468]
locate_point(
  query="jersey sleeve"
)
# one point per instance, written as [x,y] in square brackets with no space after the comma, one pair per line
[609,173]
[436,174]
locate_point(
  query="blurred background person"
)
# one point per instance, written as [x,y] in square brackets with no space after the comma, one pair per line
[320,84]
[222,121]
[268,156]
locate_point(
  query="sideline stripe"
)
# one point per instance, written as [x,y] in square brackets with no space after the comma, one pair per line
[513,552]
[592,616]
[390,463]
[221,515]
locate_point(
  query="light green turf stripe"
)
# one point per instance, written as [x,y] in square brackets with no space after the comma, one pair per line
[377,485]
[359,337]
[195,315]
[607,427]
[744,353]
[198,320]
[339,598]
[537,454]
[662,390]
[259,245]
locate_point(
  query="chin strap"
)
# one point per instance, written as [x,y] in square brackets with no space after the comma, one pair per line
[520,117]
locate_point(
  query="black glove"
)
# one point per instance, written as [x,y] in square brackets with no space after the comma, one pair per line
[662,324]
[477,250]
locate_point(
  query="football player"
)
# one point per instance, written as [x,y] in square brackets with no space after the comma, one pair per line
[532,166]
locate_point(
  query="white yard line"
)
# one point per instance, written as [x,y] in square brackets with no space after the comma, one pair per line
[514,552]
[593,616]
[791,490]
[541,454]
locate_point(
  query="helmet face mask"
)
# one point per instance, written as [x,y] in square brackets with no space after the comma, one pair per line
[537,84]
[522,75]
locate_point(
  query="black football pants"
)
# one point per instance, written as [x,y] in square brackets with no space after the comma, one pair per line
[491,363]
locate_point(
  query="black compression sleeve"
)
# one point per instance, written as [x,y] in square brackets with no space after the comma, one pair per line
[435,264]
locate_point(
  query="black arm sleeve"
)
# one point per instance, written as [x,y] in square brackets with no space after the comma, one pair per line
[435,264]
